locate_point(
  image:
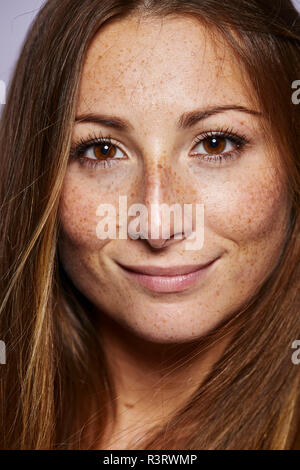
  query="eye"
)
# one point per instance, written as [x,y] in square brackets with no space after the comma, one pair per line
[217,146]
[97,151]
[103,151]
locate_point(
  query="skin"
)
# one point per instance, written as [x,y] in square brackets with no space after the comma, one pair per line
[137,69]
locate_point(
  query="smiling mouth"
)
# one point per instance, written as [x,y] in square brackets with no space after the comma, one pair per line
[167,279]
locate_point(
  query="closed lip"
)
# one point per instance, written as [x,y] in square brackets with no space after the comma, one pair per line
[166,271]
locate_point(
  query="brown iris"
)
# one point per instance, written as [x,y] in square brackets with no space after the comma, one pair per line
[214,144]
[104,151]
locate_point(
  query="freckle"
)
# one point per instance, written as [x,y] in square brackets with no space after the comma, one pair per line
[128,405]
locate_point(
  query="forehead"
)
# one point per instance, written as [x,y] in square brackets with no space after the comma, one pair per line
[158,64]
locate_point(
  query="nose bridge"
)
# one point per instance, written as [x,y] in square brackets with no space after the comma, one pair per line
[156,181]
[161,181]
[158,159]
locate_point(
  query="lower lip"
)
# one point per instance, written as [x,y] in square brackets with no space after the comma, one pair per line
[169,283]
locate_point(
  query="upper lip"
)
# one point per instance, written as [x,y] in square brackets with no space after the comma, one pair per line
[166,271]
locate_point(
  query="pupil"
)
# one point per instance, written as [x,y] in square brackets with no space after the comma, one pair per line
[214,142]
[107,147]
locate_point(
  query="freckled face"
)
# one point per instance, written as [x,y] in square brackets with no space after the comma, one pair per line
[150,73]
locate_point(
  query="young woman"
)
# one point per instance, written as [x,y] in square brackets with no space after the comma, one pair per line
[139,342]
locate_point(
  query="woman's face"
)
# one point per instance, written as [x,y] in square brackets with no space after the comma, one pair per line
[153,74]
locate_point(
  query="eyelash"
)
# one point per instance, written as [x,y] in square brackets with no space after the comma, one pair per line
[81,145]
[239,141]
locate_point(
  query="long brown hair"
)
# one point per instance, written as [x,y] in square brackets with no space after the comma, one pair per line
[56,388]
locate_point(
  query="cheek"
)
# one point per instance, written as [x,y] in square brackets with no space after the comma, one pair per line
[78,215]
[249,208]
[80,202]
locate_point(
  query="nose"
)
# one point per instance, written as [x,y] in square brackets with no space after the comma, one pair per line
[160,230]
[163,221]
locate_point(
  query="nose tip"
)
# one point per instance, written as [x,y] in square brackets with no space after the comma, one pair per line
[159,243]
[159,240]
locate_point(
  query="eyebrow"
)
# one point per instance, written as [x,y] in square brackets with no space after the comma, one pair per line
[185,121]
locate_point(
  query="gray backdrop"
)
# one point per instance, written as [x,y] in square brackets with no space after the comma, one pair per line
[15,18]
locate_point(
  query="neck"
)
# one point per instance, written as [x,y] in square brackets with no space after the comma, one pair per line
[152,380]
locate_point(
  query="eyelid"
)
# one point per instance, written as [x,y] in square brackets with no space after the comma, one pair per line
[227,132]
